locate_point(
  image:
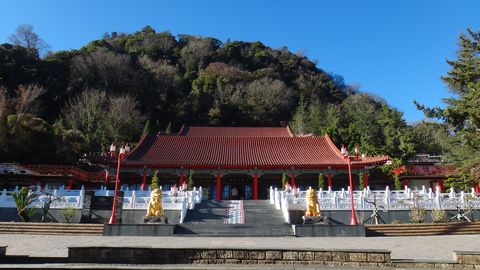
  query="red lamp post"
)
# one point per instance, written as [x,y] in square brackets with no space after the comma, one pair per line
[353,218]
[113,217]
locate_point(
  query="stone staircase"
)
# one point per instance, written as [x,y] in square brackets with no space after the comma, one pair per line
[261,219]
[50,228]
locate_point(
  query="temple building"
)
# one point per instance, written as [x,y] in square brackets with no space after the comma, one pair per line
[238,162]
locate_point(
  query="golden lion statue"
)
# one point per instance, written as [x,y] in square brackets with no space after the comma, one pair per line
[313,208]
[155,208]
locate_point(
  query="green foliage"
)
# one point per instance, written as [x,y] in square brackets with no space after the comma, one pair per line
[417,215]
[191,183]
[68,214]
[462,111]
[397,184]
[321,181]
[361,183]
[462,182]
[154,184]
[23,200]
[394,170]
[106,91]
[284,180]
[438,216]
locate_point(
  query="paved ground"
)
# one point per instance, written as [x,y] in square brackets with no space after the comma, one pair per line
[438,248]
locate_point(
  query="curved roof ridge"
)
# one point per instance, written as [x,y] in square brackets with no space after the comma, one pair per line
[334,147]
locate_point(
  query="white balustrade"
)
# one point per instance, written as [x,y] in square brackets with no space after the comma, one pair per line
[385,199]
[62,198]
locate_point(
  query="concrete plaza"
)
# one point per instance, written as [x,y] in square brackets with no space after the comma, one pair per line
[422,248]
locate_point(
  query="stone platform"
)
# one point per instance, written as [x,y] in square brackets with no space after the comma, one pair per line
[147,255]
[321,230]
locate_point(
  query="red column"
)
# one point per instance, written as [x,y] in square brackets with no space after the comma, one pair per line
[144,180]
[475,186]
[329,182]
[218,195]
[440,186]
[70,184]
[365,180]
[255,186]
[292,180]
[404,183]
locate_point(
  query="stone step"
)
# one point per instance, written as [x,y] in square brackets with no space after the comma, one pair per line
[232,230]
[50,228]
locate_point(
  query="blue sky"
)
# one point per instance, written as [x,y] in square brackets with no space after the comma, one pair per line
[395,49]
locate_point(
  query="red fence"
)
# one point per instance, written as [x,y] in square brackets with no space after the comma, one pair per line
[65,170]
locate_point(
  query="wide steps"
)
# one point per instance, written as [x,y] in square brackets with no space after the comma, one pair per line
[207,219]
[240,230]
[50,228]
[424,229]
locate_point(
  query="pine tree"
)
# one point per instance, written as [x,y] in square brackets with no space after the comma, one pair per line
[154,184]
[191,184]
[284,180]
[361,183]
[321,181]
[299,123]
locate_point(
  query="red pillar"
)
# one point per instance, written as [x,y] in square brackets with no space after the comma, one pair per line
[404,183]
[440,185]
[70,184]
[218,195]
[365,180]
[292,180]
[329,182]
[475,186]
[144,180]
[255,186]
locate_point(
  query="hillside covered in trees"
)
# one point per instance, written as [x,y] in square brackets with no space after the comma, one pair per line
[56,107]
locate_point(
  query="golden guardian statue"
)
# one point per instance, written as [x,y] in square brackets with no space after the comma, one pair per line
[313,208]
[155,208]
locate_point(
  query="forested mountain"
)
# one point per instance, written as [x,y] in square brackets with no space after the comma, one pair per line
[56,107]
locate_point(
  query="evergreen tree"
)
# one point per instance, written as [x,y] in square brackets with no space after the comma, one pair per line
[300,123]
[462,111]
[321,181]
[191,184]
[361,183]
[284,180]
[154,184]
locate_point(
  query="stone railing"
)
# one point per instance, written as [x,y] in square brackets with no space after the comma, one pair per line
[62,198]
[385,200]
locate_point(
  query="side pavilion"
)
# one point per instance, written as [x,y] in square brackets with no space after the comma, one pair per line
[248,159]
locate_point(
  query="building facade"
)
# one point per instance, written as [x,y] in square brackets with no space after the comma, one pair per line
[237,162]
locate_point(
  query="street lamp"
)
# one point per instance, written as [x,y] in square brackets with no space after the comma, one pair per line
[113,217]
[353,218]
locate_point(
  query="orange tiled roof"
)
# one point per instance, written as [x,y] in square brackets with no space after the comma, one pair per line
[235,131]
[230,151]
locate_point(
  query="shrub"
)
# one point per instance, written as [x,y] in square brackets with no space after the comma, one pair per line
[68,214]
[438,216]
[417,215]
[23,199]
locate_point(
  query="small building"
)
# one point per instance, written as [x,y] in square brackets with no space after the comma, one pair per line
[238,162]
